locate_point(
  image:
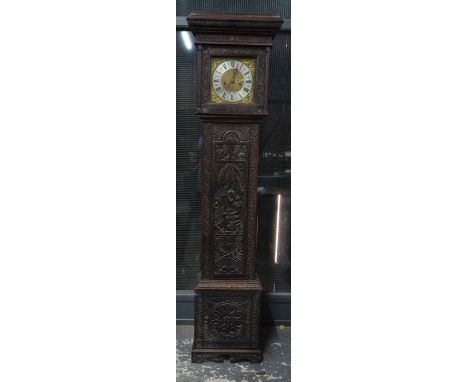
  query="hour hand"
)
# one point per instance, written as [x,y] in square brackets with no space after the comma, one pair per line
[233,79]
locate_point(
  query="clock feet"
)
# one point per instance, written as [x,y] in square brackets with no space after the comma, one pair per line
[233,355]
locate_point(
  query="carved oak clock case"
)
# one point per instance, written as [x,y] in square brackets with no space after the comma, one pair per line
[232,84]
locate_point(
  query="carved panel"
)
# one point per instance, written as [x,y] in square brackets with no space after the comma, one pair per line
[198,337]
[255,320]
[226,321]
[229,255]
[261,89]
[204,77]
[229,200]
[252,202]
[229,204]
[205,260]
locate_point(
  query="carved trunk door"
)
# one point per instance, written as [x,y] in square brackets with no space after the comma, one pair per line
[230,200]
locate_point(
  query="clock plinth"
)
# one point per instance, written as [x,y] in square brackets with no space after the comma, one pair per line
[233,61]
[227,314]
[234,355]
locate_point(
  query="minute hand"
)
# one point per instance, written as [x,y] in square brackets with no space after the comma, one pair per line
[233,78]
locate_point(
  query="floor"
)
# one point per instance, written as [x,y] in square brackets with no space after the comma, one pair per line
[276,365]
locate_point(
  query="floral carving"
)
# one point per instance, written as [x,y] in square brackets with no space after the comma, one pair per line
[229,255]
[225,320]
[231,149]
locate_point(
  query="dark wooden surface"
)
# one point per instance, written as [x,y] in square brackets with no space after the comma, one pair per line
[234,24]
[228,296]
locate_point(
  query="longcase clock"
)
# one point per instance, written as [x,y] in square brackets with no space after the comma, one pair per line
[232,85]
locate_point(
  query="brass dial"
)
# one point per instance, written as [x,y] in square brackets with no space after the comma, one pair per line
[232,80]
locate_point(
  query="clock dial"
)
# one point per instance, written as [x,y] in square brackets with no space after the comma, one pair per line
[232,80]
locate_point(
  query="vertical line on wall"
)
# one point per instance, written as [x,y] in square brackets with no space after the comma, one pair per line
[278,209]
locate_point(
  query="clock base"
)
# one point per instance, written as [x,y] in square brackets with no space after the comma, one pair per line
[227,320]
[234,355]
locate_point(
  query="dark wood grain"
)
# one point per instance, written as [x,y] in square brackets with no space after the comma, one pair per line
[228,295]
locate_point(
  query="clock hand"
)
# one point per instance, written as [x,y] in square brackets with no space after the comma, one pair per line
[241,78]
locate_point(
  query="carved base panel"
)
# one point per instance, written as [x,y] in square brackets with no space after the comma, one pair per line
[219,355]
[227,318]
